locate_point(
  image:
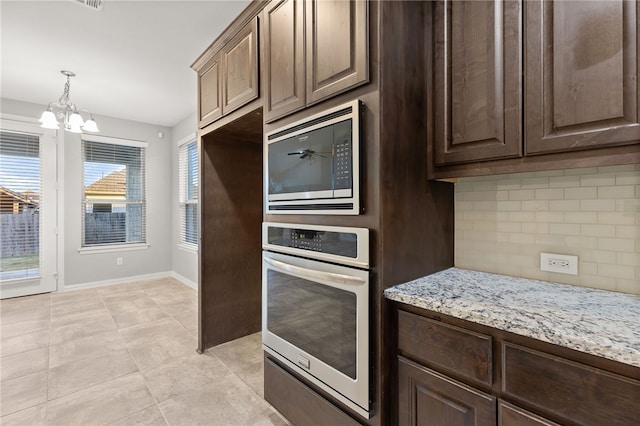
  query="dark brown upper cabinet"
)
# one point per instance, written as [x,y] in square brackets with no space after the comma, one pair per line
[209,105]
[313,50]
[576,90]
[229,79]
[582,75]
[284,67]
[477,68]
[240,68]
[337,47]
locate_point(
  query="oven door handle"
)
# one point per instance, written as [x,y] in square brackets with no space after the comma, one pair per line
[316,275]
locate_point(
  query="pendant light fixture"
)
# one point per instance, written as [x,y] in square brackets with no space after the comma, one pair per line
[65,110]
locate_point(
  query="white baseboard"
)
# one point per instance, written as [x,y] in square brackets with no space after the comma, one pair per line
[166,274]
[184,280]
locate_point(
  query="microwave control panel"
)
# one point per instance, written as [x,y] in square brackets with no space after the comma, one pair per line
[342,165]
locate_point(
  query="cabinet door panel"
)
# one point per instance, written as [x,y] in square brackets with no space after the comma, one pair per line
[430,398]
[240,64]
[209,89]
[582,75]
[510,415]
[284,58]
[477,80]
[337,47]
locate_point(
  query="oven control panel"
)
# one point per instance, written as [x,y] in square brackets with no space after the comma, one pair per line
[331,243]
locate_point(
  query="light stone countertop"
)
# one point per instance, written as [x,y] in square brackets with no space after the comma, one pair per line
[598,322]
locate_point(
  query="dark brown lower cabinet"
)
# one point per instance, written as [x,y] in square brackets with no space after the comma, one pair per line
[453,372]
[428,398]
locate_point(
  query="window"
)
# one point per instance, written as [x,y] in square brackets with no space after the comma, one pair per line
[188,193]
[113,206]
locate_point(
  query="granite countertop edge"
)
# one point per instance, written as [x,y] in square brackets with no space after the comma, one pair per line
[597,322]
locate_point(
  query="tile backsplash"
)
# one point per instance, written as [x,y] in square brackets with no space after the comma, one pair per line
[503,222]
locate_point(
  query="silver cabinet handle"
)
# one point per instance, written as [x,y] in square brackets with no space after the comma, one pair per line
[316,275]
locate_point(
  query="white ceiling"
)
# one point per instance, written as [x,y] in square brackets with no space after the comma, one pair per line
[132,58]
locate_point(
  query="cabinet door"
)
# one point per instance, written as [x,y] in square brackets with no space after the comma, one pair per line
[581,75]
[240,68]
[209,92]
[337,47]
[510,415]
[284,75]
[477,80]
[426,397]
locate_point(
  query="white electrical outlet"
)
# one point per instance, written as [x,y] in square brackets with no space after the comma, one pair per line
[560,263]
[118,261]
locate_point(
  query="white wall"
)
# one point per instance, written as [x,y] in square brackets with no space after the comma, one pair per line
[185,261]
[79,269]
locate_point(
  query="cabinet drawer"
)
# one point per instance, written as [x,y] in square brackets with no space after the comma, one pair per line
[459,352]
[510,415]
[568,390]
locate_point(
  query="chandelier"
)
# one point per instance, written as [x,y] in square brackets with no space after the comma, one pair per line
[66,110]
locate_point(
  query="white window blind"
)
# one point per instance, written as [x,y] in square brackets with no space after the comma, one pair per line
[113,206]
[188,193]
[20,202]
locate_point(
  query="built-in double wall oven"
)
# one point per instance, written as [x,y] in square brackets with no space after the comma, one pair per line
[315,306]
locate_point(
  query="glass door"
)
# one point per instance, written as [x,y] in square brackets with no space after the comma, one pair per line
[27,210]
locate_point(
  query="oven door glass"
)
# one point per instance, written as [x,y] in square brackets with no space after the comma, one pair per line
[314,164]
[309,315]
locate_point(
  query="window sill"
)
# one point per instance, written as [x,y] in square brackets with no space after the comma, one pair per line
[113,249]
[190,248]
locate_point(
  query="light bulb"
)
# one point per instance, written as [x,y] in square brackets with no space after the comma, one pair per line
[75,120]
[90,126]
[48,120]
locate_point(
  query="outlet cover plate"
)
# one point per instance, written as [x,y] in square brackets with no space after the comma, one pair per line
[559,263]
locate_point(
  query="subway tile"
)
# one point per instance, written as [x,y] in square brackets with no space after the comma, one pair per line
[598,281]
[508,227]
[616,218]
[616,271]
[564,205]
[598,179]
[521,194]
[564,278]
[509,185]
[550,242]
[629,259]
[598,256]
[535,228]
[521,216]
[628,205]
[487,185]
[628,286]
[620,168]
[589,268]
[628,178]
[535,205]
[509,206]
[564,229]
[522,238]
[627,231]
[535,182]
[564,181]
[621,191]
[549,194]
[581,193]
[616,244]
[581,217]
[580,242]
[581,171]
[598,205]
[557,217]
[598,230]
[549,173]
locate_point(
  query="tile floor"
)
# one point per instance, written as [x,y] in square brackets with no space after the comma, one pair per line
[124,355]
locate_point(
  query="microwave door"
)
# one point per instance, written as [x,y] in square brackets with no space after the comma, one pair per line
[301,167]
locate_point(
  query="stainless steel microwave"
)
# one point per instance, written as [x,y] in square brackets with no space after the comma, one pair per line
[312,166]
